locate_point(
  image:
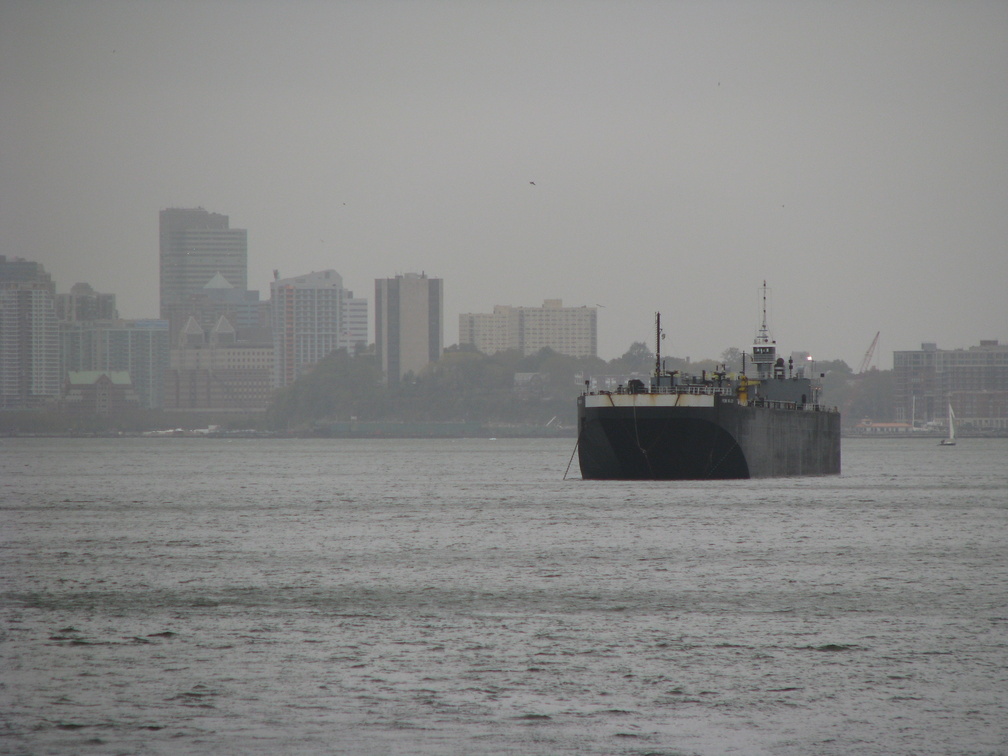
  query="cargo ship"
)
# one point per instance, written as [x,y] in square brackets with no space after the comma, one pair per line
[711,426]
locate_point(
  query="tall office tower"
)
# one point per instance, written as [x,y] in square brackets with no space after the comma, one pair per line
[139,347]
[195,246]
[409,323]
[572,331]
[310,315]
[84,303]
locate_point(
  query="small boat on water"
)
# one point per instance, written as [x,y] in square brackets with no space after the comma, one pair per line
[950,441]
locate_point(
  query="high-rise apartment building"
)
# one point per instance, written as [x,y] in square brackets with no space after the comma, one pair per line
[29,335]
[572,331]
[973,380]
[196,245]
[29,347]
[409,323]
[83,303]
[17,270]
[313,315]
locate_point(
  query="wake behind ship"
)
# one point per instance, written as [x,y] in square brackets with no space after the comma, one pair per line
[717,426]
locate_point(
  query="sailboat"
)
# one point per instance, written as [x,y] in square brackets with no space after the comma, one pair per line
[950,441]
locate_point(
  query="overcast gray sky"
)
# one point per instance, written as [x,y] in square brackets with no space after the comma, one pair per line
[855,155]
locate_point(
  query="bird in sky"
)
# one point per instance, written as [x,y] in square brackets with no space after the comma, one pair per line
[532,182]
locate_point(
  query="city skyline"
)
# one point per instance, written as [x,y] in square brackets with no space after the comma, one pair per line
[361,311]
[108,362]
[640,157]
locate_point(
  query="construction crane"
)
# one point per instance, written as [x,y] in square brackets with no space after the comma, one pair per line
[869,354]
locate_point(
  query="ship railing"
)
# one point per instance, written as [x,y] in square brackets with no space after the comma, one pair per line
[777,404]
[773,403]
[817,408]
[695,390]
[727,393]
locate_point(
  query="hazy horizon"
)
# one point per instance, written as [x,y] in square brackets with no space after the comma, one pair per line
[852,155]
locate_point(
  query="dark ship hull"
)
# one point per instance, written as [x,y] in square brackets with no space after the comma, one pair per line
[649,436]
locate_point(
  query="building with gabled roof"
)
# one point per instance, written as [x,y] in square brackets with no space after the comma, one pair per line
[99,392]
[139,347]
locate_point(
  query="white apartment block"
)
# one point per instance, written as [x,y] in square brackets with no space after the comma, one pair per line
[29,346]
[572,331]
[313,315]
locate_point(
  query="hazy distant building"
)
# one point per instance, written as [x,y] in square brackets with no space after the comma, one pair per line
[138,347]
[974,380]
[409,323]
[29,343]
[17,270]
[97,392]
[217,372]
[490,332]
[572,331]
[218,298]
[354,328]
[83,303]
[196,245]
[313,316]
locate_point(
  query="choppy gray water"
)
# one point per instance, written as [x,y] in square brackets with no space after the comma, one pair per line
[255,596]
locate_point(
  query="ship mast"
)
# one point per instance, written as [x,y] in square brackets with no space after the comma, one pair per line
[763,336]
[764,355]
[657,363]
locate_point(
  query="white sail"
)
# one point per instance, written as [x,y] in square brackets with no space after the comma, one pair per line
[950,441]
